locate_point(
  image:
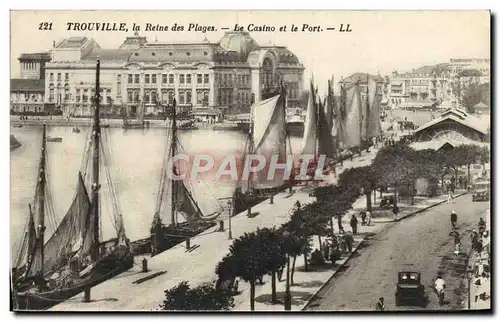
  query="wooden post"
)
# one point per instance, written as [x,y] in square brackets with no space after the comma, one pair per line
[86,294]
[188,243]
[272,199]
[144,265]
[249,211]
[221,226]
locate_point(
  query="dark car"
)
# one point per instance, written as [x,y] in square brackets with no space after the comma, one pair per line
[409,289]
[481,191]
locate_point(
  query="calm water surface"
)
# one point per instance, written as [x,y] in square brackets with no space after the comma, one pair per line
[135,164]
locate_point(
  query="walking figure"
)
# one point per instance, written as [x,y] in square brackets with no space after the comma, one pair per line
[354,224]
[379,306]
[453,220]
[450,197]
[439,286]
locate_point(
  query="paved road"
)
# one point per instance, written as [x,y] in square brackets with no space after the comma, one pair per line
[418,243]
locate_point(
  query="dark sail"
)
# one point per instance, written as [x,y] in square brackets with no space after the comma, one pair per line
[73,227]
[325,140]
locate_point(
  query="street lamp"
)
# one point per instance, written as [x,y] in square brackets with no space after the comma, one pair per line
[230,207]
[470,274]
[288,296]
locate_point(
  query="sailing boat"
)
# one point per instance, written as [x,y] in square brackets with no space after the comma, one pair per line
[134,124]
[268,136]
[73,259]
[182,202]
[317,139]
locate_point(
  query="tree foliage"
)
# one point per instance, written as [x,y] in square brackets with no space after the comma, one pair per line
[202,298]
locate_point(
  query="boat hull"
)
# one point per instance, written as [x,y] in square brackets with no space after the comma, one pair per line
[105,269]
[295,129]
[244,201]
[169,237]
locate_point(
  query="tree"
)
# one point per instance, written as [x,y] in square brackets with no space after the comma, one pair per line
[274,258]
[204,297]
[474,94]
[247,260]
[362,180]
[338,199]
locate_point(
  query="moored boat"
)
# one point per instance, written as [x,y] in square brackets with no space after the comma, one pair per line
[74,258]
[54,139]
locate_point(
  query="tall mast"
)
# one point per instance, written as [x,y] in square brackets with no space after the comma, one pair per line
[96,131]
[250,137]
[173,151]
[41,197]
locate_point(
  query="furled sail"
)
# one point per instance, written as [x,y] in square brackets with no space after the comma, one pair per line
[325,140]
[28,243]
[75,225]
[330,107]
[269,136]
[374,128]
[310,127]
[352,122]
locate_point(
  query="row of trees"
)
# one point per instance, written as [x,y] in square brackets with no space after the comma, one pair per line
[267,251]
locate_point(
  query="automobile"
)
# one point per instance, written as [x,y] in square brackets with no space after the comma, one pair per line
[481,191]
[409,290]
[387,202]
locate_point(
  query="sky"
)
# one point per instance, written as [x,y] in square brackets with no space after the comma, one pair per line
[380,41]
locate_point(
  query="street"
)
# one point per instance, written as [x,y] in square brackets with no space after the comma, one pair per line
[420,243]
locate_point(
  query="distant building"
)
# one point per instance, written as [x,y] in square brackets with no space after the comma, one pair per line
[453,128]
[226,75]
[423,87]
[27,92]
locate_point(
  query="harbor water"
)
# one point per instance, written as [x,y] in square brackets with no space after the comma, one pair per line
[135,165]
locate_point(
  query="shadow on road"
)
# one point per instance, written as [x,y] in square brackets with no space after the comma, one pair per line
[298,297]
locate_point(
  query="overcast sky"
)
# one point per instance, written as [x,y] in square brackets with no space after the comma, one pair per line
[380,42]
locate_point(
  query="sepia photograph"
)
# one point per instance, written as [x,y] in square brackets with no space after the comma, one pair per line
[267,161]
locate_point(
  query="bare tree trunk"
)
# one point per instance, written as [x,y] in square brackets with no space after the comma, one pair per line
[468,176]
[274,300]
[293,269]
[375,197]
[319,240]
[252,295]
[369,201]
[331,223]
[306,267]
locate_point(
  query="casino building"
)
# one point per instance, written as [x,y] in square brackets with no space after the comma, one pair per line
[141,75]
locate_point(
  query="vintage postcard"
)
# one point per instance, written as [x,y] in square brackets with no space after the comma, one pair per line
[250,160]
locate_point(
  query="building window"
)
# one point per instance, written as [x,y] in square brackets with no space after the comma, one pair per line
[164,79]
[171,96]
[181,97]
[188,96]
[199,78]
[199,97]
[181,78]
[108,100]
[146,78]
[85,96]
[205,78]
[153,97]
[66,76]
[205,97]
[147,97]
[66,94]
[136,78]
[119,89]
[188,78]
[153,78]
[136,96]
[77,99]
[171,79]
[129,96]
[118,77]
[51,77]
[58,76]
[130,79]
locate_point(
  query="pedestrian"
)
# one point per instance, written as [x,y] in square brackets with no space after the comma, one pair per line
[368,218]
[481,225]
[349,241]
[456,241]
[453,220]
[379,306]
[363,218]
[450,197]
[395,211]
[354,224]
[439,286]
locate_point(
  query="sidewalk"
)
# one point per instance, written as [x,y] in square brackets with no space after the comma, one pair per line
[480,294]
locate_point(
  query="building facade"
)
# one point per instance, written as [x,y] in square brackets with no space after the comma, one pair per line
[27,92]
[439,83]
[142,76]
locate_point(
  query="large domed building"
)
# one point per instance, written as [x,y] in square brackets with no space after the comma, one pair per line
[226,75]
